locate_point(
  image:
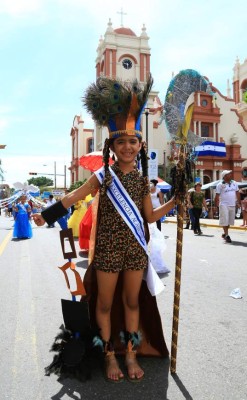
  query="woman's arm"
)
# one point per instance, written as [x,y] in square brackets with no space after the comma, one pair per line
[161,197]
[204,203]
[152,215]
[190,205]
[238,199]
[216,200]
[89,187]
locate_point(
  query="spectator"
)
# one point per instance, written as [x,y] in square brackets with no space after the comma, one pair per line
[157,198]
[196,202]
[227,194]
[49,203]
[188,211]
[244,206]
[10,209]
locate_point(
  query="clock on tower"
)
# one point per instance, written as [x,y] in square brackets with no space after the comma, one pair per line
[127,63]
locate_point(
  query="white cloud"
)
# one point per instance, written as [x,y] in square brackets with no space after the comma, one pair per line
[18,8]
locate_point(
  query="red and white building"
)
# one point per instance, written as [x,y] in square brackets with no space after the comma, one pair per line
[123,54]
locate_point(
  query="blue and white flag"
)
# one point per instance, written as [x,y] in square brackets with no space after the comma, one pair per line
[215,149]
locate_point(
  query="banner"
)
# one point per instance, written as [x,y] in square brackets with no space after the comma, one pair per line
[153,163]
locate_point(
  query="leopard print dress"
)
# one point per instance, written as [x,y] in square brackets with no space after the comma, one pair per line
[116,247]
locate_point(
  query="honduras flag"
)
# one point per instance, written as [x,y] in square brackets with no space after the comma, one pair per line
[215,149]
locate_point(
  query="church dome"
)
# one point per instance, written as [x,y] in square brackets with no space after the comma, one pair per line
[124,31]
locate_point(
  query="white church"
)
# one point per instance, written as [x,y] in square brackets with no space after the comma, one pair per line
[123,54]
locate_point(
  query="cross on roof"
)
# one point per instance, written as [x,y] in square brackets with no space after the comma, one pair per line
[122,14]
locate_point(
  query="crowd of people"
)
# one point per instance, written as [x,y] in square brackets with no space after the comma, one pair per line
[230,201]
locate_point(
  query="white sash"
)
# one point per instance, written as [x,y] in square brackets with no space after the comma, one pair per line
[132,217]
[22,206]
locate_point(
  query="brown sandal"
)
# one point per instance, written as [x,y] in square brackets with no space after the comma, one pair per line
[112,371]
[135,373]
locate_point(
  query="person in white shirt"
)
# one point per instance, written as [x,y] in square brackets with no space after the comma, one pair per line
[227,196]
[157,198]
[49,203]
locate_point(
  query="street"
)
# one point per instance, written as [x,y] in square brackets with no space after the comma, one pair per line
[212,352]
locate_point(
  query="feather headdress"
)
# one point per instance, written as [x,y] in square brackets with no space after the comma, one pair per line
[117,105]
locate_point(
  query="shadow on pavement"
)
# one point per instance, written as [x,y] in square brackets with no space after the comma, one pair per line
[153,386]
[203,235]
[19,239]
[82,264]
[235,243]
[83,253]
[181,387]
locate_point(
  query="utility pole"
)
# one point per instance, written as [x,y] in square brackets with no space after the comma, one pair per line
[55,175]
[65,177]
[164,165]
[147,114]
[2,146]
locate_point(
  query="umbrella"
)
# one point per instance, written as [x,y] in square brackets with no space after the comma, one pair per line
[163,185]
[93,161]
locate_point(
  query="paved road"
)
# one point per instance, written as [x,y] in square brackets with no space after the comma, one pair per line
[212,352]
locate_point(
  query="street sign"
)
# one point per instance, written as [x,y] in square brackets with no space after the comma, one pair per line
[58,193]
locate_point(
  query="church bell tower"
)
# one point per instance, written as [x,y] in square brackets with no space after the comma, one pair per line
[121,54]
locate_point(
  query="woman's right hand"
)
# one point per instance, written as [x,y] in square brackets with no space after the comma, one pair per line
[38,219]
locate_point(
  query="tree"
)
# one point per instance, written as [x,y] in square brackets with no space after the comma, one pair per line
[76,185]
[40,181]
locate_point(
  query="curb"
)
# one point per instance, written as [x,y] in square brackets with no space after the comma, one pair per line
[240,228]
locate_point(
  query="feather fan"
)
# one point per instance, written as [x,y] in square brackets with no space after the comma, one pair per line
[109,98]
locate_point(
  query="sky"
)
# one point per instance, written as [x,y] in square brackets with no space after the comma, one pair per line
[48,52]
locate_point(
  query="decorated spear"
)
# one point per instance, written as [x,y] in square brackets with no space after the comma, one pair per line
[178,110]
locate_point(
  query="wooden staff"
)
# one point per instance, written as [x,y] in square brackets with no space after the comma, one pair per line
[180,194]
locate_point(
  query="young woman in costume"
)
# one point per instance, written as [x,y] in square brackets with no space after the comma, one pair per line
[76,217]
[22,226]
[120,303]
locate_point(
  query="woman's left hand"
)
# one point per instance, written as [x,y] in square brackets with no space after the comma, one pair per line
[38,219]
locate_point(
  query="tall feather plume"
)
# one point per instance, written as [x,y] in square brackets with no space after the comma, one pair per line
[142,93]
[106,98]
[109,98]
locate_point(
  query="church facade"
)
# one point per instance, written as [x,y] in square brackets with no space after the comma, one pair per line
[123,54]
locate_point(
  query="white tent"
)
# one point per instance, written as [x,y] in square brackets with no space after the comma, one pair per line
[213,185]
